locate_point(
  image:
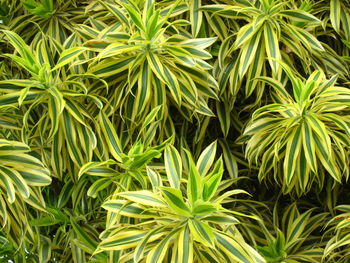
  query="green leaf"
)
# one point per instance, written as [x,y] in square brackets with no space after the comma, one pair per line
[232,248]
[56,106]
[335,13]
[22,48]
[157,253]
[272,47]
[92,165]
[194,180]
[18,181]
[230,160]
[203,208]
[309,146]
[71,139]
[202,232]
[35,177]
[245,33]
[152,235]
[124,239]
[300,16]
[212,181]
[175,201]
[134,15]
[7,183]
[150,118]
[68,56]
[154,178]
[45,249]
[248,53]
[292,153]
[99,185]
[196,17]
[173,166]
[116,49]
[206,159]
[144,197]
[185,246]
[111,136]
[122,207]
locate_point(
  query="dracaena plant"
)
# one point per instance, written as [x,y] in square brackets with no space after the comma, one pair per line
[288,235]
[21,176]
[301,138]
[337,11]
[60,227]
[338,247]
[55,100]
[335,15]
[97,180]
[127,169]
[181,219]
[99,89]
[149,60]
[19,170]
[263,32]
[56,18]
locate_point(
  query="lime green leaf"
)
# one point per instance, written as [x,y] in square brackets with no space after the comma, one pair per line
[173,166]
[201,232]
[300,16]
[206,159]
[156,255]
[45,249]
[175,201]
[111,136]
[185,246]
[194,180]
[144,197]
[335,13]
[232,248]
[122,207]
[123,240]
[272,46]
[68,56]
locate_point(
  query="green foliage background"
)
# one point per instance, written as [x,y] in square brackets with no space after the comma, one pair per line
[174,131]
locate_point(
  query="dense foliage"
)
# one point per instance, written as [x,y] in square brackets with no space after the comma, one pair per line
[174,131]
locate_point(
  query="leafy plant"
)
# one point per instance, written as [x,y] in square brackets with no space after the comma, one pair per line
[128,170]
[338,246]
[42,8]
[272,30]
[21,176]
[57,19]
[106,105]
[293,237]
[172,227]
[61,100]
[312,135]
[157,62]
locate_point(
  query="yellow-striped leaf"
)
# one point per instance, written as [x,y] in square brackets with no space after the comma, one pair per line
[175,201]
[111,136]
[194,180]
[68,56]
[201,232]
[206,159]
[144,197]
[272,47]
[173,166]
[185,246]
